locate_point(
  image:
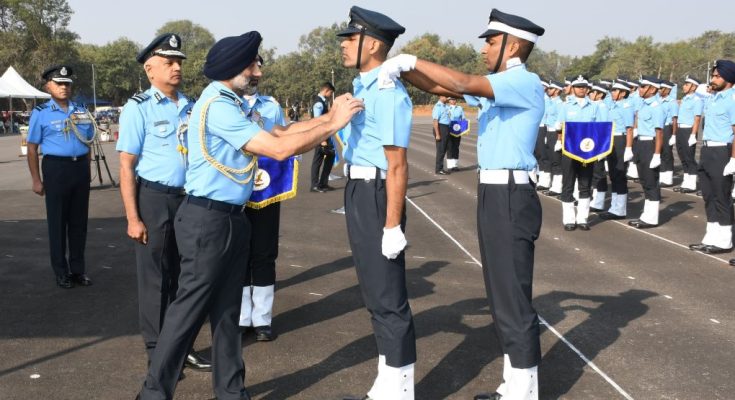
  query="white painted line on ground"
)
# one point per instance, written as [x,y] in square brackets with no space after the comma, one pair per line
[541,319]
[471,262]
[631,278]
[35,376]
[714,320]
[419,257]
[296,266]
[316,294]
[602,262]
[668,297]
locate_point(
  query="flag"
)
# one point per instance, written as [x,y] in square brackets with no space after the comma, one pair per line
[587,142]
[340,141]
[459,128]
[274,181]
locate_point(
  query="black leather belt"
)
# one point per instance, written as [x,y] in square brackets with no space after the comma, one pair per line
[63,158]
[159,187]
[215,204]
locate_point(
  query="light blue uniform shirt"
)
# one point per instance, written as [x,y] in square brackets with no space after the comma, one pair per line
[228,129]
[456,113]
[691,106]
[574,111]
[318,108]
[547,100]
[651,116]
[603,112]
[49,128]
[719,117]
[671,108]
[622,115]
[149,125]
[635,100]
[386,121]
[552,112]
[440,113]
[608,101]
[508,124]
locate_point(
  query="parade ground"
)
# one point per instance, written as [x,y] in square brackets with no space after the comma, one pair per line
[626,314]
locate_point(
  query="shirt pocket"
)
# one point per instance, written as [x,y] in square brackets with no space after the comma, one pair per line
[161,134]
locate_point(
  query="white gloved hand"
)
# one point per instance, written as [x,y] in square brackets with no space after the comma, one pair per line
[393,242]
[672,140]
[692,140]
[391,69]
[729,168]
[655,161]
[557,145]
[635,132]
[628,155]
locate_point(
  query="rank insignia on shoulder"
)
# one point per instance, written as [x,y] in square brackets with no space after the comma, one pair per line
[140,97]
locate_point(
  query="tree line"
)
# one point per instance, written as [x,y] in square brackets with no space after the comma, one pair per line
[35,34]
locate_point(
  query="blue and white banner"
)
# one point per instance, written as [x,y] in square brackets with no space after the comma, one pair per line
[274,181]
[459,128]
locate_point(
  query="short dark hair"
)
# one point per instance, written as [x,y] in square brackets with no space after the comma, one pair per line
[524,49]
[327,85]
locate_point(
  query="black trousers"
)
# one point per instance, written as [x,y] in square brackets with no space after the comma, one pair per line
[382,281]
[617,167]
[572,170]
[322,165]
[157,261]
[441,147]
[508,224]
[715,187]
[212,245]
[539,151]
[453,147]
[685,151]
[599,176]
[667,152]
[264,223]
[554,157]
[642,153]
[66,184]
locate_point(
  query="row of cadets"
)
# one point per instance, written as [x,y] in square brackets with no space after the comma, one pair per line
[688,122]
[717,161]
[646,150]
[577,108]
[623,116]
[670,106]
[550,175]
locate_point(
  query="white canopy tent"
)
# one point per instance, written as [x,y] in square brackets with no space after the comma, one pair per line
[13,86]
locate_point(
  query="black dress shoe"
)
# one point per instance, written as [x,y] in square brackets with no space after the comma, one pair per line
[570,227]
[636,223]
[197,363]
[488,396]
[584,227]
[697,246]
[454,169]
[64,282]
[677,189]
[317,189]
[665,185]
[609,215]
[699,193]
[327,188]
[732,262]
[596,210]
[81,279]
[551,193]
[264,333]
[685,190]
[709,249]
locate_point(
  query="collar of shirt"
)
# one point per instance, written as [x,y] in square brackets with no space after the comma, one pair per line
[159,97]
[56,107]
[513,62]
[581,101]
[365,79]
[650,100]
[221,87]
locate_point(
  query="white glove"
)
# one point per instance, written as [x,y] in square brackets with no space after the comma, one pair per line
[392,68]
[628,155]
[655,161]
[393,242]
[557,146]
[692,140]
[672,140]
[635,132]
[729,168]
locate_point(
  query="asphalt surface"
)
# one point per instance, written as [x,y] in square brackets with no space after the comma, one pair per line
[635,314]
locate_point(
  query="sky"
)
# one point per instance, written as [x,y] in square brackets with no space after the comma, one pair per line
[573,27]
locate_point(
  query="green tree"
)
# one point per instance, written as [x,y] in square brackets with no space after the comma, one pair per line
[196,42]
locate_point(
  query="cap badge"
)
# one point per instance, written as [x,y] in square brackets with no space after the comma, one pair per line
[173,42]
[62,72]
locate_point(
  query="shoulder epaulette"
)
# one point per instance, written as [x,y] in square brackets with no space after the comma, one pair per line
[230,96]
[140,97]
[41,106]
[188,107]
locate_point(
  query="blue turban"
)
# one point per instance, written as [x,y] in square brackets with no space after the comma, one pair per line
[726,68]
[231,55]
